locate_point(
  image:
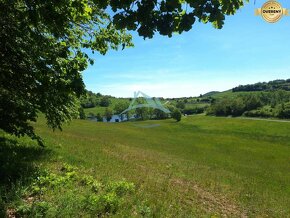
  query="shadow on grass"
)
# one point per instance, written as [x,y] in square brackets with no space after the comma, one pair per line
[17,168]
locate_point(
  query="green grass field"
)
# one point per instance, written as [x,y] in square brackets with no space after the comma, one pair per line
[201,166]
[230,94]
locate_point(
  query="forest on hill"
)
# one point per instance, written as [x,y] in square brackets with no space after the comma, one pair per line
[268,104]
[263,99]
[265,86]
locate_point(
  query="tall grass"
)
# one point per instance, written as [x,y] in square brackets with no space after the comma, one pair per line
[199,166]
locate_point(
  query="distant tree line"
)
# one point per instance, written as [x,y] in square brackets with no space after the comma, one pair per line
[148,113]
[194,110]
[90,100]
[193,105]
[262,104]
[142,113]
[265,86]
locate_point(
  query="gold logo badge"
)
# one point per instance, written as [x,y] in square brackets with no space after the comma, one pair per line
[271,11]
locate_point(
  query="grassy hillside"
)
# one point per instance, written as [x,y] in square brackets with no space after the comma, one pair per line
[228,94]
[200,166]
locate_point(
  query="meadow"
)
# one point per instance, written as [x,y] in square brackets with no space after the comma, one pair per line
[201,166]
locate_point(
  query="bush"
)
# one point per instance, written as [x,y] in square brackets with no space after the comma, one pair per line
[110,200]
[176,114]
[102,204]
[159,114]
[253,105]
[108,114]
[144,210]
[221,108]
[37,209]
[252,102]
[237,107]
[105,102]
[180,104]
[265,112]
[196,110]
[99,117]
[121,188]
[67,193]
[284,110]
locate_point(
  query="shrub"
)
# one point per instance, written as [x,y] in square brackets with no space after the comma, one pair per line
[105,102]
[265,112]
[176,114]
[66,193]
[108,114]
[96,186]
[121,188]
[144,210]
[237,107]
[159,114]
[23,210]
[37,209]
[99,117]
[284,110]
[180,105]
[102,204]
[196,110]
[221,108]
[252,102]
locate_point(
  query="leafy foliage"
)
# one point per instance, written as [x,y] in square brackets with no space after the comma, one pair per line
[42,56]
[120,107]
[82,114]
[284,110]
[90,195]
[105,101]
[180,105]
[142,112]
[108,114]
[194,110]
[176,114]
[43,44]
[263,104]
[169,16]
[90,99]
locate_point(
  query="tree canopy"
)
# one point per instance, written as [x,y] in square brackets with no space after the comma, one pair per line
[169,16]
[44,48]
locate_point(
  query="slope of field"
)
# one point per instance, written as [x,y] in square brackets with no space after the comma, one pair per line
[199,166]
[229,94]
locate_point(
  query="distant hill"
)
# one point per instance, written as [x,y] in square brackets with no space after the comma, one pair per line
[279,84]
[97,103]
[209,94]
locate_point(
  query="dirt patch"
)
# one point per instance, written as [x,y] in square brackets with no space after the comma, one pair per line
[11,213]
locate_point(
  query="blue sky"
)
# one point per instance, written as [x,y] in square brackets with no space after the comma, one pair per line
[246,50]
